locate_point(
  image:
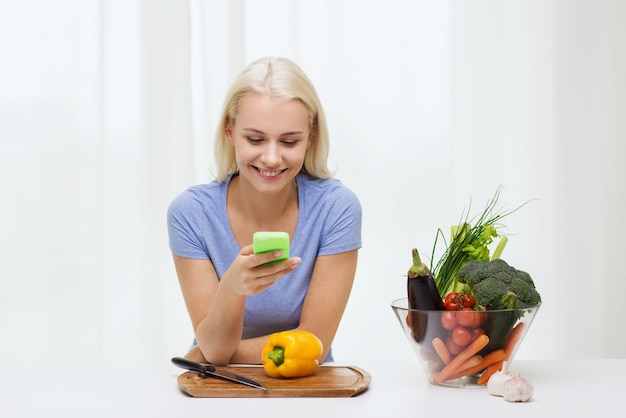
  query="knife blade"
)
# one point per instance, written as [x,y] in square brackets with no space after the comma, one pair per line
[211,370]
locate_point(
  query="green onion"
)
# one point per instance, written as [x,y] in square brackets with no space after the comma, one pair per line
[469,242]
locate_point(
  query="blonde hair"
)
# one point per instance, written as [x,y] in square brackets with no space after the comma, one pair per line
[282,79]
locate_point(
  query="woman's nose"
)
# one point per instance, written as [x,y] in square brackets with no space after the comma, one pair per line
[271,155]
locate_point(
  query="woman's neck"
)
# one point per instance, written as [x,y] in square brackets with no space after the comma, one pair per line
[261,211]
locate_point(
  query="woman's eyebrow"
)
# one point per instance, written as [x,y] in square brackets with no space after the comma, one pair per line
[257,131]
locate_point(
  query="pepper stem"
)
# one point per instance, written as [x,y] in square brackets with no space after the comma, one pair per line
[277,355]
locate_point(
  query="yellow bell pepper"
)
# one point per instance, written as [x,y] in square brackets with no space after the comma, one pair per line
[291,354]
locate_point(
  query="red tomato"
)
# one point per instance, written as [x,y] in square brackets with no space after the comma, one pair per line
[461,336]
[451,302]
[465,318]
[467,301]
[452,295]
[479,318]
[453,348]
[448,320]
[477,332]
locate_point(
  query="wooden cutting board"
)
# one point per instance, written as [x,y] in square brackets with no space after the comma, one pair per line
[327,382]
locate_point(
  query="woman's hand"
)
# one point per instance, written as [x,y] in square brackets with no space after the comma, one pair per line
[249,274]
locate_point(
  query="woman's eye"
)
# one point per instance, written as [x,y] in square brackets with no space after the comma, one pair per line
[285,142]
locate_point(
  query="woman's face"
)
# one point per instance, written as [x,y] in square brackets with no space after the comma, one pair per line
[270,139]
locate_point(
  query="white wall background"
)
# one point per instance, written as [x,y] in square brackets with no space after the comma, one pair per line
[107,110]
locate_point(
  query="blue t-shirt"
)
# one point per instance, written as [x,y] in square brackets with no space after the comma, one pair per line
[329,222]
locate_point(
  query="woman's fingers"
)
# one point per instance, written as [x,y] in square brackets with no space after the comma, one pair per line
[251,273]
[265,275]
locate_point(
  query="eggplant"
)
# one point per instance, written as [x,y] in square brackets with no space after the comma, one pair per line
[423,295]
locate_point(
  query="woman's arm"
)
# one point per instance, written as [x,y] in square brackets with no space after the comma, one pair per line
[216,307]
[327,297]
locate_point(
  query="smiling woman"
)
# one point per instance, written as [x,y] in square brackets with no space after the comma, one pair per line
[271,150]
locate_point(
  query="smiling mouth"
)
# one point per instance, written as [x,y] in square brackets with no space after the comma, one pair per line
[269,173]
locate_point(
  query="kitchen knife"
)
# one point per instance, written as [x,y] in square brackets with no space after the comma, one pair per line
[210,370]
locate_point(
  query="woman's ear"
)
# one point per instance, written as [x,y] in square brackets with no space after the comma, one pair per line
[228,130]
[312,137]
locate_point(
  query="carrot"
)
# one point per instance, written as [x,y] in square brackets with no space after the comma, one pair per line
[442,350]
[509,345]
[512,339]
[474,347]
[489,359]
[489,371]
[470,363]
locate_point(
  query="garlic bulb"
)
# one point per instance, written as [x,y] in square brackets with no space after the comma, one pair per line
[496,382]
[517,389]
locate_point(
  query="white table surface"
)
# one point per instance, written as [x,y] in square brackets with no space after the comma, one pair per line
[580,388]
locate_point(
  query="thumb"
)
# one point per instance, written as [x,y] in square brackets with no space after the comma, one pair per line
[247,250]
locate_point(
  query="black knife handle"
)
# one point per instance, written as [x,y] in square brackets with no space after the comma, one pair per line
[183,363]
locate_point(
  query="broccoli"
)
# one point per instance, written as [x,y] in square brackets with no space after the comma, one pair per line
[497,285]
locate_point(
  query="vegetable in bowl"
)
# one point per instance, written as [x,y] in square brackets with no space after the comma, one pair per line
[448,357]
[470,240]
[467,314]
[497,285]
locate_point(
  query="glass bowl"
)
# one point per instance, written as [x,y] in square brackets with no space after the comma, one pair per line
[439,337]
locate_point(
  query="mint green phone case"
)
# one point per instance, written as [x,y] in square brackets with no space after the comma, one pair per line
[266,241]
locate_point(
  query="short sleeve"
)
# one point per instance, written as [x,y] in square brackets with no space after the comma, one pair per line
[342,229]
[184,221]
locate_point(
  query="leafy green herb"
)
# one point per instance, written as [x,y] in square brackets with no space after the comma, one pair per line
[469,242]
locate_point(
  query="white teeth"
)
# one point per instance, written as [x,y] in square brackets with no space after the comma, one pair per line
[269,173]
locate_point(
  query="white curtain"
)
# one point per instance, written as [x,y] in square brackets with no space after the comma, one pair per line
[95,128]
[107,111]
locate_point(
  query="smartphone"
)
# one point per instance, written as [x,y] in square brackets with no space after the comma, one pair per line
[266,241]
